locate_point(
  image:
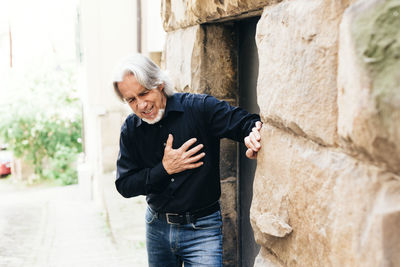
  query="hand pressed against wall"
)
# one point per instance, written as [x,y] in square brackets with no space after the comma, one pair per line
[253,141]
[183,158]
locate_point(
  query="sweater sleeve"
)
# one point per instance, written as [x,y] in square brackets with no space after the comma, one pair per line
[132,179]
[228,121]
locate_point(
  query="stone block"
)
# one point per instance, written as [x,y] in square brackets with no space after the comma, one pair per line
[266,259]
[229,217]
[391,242]
[181,53]
[383,225]
[218,74]
[178,14]
[297,46]
[228,162]
[314,206]
[202,59]
[369,81]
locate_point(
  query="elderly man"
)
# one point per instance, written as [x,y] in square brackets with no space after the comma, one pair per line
[169,151]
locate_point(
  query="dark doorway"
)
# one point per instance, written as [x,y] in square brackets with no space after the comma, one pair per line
[248,73]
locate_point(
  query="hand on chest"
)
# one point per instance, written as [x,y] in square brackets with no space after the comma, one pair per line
[151,139]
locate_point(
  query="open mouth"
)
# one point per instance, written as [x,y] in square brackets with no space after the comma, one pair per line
[148,112]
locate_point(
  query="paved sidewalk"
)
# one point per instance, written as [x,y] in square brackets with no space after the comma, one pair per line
[125,217]
[55,226]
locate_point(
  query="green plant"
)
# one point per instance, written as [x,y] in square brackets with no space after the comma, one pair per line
[43,124]
[60,167]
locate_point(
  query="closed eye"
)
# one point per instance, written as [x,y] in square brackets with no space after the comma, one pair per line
[144,93]
[130,100]
[133,99]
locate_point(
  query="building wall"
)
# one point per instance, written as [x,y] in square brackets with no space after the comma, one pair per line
[327,186]
[153,34]
[109,32]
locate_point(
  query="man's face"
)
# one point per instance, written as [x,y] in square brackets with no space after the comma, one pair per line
[146,104]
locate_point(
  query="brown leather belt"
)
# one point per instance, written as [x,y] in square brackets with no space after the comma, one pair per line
[188,217]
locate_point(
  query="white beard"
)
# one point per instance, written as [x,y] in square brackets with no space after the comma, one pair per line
[159,116]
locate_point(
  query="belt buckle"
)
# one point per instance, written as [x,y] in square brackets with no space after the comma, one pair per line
[170,214]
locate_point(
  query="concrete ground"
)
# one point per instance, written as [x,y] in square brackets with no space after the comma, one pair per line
[57,226]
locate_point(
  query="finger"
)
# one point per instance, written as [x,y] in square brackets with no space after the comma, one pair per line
[194,150]
[195,158]
[256,133]
[251,154]
[188,144]
[249,144]
[255,142]
[169,141]
[258,125]
[194,165]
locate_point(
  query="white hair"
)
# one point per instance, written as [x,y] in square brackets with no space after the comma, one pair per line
[146,72]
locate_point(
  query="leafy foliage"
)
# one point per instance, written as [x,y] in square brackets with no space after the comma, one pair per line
[42,123]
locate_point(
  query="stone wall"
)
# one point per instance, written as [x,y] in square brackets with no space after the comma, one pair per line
[202,59]
[327,185]
[326,191]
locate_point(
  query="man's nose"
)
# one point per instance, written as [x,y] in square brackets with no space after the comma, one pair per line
[142,104]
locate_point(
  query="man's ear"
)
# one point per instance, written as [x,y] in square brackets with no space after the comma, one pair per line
[161,86]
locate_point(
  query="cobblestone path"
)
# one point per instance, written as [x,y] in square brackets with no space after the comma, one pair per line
[46,227]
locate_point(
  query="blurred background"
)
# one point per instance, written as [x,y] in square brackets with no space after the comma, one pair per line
[60,122]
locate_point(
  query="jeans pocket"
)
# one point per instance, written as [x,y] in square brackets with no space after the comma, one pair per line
[208,222]
[150,216]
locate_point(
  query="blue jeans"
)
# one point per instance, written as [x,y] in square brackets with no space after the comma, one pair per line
[196,244]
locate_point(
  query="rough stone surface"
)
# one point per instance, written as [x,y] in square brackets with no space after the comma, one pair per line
[178,14]
[327,186]
[297,45]
[338,207]
[266,259]
[218,74]
[181,49]
[228,164]
[229,217]
[202,59]
[388,221]
[272,225]
[369,81]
